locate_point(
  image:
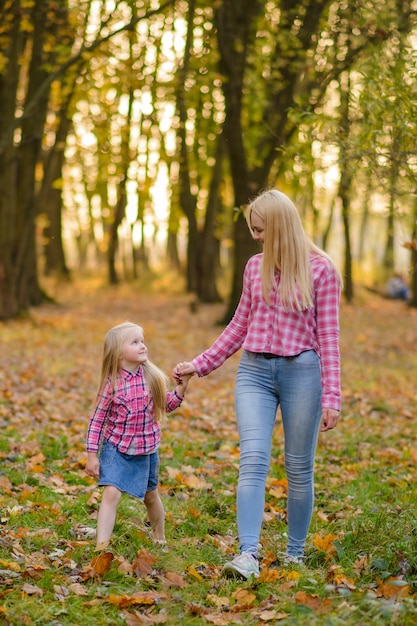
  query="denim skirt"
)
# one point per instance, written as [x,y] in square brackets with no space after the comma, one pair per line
[134,474]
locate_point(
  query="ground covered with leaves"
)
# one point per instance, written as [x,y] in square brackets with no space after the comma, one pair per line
[361,565]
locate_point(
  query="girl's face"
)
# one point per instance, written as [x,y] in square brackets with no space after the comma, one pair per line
[257,226]
[134,351]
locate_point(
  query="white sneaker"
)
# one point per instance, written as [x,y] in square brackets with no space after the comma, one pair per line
[290,558]
[245,565]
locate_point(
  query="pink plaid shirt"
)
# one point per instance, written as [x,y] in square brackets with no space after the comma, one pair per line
[259,327]
[126,419]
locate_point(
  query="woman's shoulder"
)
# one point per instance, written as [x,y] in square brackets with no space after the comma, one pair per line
[321,260]
[323,267]
[254,261]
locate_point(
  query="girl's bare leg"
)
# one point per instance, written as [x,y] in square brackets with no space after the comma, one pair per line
[107,515]
[156,514]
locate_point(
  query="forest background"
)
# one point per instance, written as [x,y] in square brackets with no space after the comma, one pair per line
[132,134]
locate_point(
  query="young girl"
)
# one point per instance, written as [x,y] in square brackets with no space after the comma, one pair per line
[131,401]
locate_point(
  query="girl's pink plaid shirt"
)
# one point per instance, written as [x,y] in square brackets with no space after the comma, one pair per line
[259,327]
[126,419]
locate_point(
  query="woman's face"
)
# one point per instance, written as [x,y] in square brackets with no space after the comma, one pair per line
[257,226]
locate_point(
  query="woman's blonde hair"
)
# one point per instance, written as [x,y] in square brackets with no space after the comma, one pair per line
[286,248]
[155,378]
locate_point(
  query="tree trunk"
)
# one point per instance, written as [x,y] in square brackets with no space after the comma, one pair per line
[208,259]
[187,199]
[49,201]
[9,304]
[413,279]
[345,180]
[233,20]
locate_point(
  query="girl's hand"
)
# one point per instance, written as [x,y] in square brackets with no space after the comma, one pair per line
[92,467]
[182,383]
[329,419]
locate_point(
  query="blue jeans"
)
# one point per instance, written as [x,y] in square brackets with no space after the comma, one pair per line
[294,384]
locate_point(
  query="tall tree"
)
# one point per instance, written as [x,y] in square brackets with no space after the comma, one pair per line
[287,53]
[35,32]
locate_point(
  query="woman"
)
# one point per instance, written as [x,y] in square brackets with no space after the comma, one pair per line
[287,322]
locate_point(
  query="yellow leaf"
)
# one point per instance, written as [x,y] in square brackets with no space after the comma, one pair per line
[325,543]
[270,575]
[218,601]
[244,598]
[15,567]
[341,579]
[191,570]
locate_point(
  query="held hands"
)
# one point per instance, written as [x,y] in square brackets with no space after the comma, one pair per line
[182,373]
[182,383]
[92,467]
[329,419]
[185,367]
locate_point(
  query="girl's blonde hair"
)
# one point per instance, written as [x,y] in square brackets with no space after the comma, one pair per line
[155,378]
[286,248]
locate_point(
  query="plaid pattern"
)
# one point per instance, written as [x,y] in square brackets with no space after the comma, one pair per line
[126,419]
[259,327]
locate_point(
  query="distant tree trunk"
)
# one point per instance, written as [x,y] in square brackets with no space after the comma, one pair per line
[188,201]
[328,227]
[172,250]
[413,280]
[119,214]
[364,220]
[389,260]
[49,201]
[345,181]
[120,208]
[208,259]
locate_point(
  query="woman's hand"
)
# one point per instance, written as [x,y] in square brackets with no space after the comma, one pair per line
[329,419]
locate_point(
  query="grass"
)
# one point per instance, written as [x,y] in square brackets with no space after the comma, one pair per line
[361,565]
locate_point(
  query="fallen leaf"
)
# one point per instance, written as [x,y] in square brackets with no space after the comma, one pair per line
[218,600]
[143,564]
[175,579]
[32,590]
[393,588]
[313,602]
[244,599]
[191,570]
[325,543]
[101,563]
